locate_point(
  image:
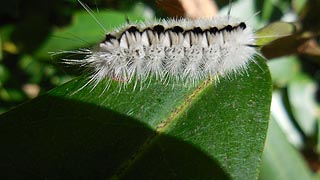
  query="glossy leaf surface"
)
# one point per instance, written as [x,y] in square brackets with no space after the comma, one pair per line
[213,131]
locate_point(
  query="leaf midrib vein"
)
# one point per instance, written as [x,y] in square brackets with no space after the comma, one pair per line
[124,167]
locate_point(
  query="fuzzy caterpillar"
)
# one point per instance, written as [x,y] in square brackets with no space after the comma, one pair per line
[171,49]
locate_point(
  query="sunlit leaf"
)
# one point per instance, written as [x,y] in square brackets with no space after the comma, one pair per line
[212,131]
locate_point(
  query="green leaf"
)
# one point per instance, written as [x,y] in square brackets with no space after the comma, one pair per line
[298,5]
[280,159]
[284,70]
[302,98]
[274,31]
[318,137]
[212,131]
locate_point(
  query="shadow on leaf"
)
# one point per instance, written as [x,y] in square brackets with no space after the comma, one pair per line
[56,138]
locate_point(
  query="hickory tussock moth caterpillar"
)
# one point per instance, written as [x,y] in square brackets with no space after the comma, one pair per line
[184,50]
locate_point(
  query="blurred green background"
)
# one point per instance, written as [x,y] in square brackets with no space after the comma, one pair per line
[32,31]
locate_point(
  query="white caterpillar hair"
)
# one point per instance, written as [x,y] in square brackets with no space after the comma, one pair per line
[171,49]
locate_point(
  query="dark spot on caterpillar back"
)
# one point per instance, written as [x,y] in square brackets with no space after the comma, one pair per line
[158,28]
[197,30]
[228,28]
[213,30]
[242,25]
[109,37]
[133,29]
[177,29]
